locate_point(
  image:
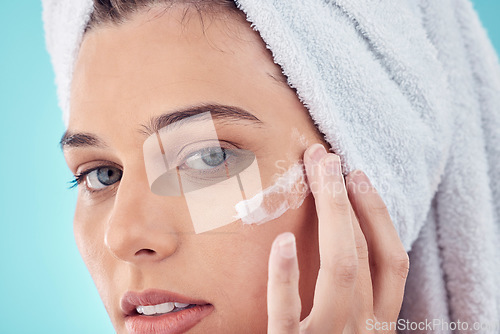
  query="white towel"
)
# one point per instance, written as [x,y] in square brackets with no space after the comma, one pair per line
[409,92]
[64,23]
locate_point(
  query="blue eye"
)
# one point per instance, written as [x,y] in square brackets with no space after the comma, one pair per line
[101,177]
[203,167]
[206,158]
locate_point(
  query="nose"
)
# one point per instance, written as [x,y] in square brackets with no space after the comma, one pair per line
[140,228]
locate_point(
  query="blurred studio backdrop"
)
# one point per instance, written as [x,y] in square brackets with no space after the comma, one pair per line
[44,285]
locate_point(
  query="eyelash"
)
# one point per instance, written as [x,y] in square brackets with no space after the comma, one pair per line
[80,178]
[77,179]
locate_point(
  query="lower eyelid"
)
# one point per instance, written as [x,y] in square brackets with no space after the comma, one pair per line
[102,191]
[215,171]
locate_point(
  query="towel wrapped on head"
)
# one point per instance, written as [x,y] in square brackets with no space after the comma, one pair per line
[407,91]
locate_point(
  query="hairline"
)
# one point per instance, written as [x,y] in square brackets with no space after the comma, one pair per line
[215,9]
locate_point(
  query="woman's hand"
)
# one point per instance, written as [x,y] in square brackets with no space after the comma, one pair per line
[363,263]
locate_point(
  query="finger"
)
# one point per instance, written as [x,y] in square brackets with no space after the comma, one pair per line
[389,261]
[333,297]
[283,300]
[363,292]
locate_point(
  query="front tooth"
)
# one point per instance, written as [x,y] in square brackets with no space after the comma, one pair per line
[164,308]
[148,310]
[180,305]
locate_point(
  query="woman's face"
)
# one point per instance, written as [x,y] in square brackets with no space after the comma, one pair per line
[133,240]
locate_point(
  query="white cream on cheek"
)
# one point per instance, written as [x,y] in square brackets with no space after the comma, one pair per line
[288,192]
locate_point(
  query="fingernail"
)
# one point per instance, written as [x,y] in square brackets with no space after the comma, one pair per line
[287,246]
[332,165]
[317,152]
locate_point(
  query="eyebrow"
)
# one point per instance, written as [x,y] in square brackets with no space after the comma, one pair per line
[220,112]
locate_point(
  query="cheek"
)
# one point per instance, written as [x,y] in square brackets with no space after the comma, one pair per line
[246,265]
[89,236]
[243,289]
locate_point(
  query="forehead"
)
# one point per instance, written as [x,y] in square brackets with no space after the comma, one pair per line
[170,57]
[158,42]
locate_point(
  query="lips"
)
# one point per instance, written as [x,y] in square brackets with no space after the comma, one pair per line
[176,321]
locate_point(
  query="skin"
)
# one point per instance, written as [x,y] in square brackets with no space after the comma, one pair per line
[134,240]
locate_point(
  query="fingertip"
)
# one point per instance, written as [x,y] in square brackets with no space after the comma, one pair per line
[332,165]
[283,265]
[314,153]
[312,161]
[286,245]
[358,182]
[357,175]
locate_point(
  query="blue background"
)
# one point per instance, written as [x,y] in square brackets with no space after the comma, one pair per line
[44,285]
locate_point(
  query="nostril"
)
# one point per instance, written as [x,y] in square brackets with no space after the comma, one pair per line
[145,252]
[130,242]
